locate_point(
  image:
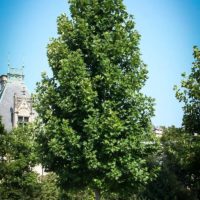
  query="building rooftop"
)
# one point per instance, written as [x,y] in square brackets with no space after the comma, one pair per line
[11,86]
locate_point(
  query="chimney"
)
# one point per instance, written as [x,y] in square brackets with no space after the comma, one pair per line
[3,81]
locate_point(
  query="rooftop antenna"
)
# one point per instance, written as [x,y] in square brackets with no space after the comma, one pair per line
[22,68]
[22,62]
[8,62]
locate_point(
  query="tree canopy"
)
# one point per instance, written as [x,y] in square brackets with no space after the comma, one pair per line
[178,178]
[187,154]
[94,123]
[17,180]
[189,94]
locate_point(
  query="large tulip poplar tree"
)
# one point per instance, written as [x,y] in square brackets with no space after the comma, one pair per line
[95,126]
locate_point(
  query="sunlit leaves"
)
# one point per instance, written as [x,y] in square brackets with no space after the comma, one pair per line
[189,94]
[95,124]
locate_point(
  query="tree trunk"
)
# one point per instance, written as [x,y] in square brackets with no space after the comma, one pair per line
[97,195]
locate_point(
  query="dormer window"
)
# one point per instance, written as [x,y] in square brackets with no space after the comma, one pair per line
[22,111]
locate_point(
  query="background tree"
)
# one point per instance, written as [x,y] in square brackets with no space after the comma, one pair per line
[3,150]
[17,180]
[189,94]
[178,177]
[95,124]
[49,188]
[179,148]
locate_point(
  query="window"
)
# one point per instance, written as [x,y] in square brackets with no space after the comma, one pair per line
[25,119]
[22,120]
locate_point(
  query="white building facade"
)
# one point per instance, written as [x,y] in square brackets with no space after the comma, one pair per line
[15,101]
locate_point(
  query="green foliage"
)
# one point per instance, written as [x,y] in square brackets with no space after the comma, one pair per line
[181,151]
[189,94]
[167,186]
[178,178]
[17,181]
[3,149]
[49,188]
[77,195]
[94,127]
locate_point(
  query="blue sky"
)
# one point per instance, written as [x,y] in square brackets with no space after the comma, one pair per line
[168,28]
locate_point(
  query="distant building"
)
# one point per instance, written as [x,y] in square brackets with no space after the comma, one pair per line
[158,131]
[15,101]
